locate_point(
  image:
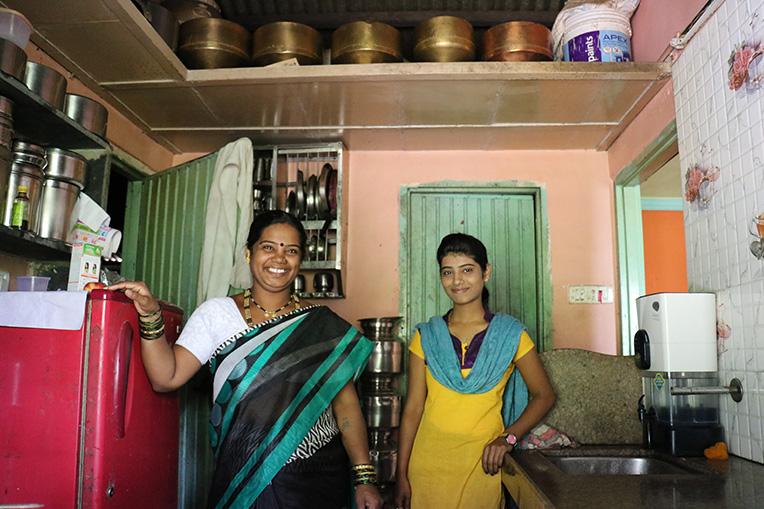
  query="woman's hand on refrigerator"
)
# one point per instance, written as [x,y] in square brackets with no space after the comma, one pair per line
[139,293]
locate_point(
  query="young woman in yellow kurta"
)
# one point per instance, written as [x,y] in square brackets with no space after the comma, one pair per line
[455,430]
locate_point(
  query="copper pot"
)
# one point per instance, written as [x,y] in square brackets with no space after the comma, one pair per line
[211,43]
[364,42]
[283,40]
[517,41]
[444,39]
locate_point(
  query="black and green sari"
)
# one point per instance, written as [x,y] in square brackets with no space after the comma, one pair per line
[271,385]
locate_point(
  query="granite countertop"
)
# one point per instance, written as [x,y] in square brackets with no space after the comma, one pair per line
[736,483]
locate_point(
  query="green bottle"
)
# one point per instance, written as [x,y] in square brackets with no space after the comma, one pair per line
[20,210]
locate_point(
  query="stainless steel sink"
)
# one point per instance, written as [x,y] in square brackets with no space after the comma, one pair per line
[616,465]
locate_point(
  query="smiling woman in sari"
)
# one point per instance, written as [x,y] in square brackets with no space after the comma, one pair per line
[285,418]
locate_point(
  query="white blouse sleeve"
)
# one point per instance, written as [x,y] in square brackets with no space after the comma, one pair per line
[210,325]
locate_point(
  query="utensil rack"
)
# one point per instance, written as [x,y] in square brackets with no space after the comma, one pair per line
[306,181]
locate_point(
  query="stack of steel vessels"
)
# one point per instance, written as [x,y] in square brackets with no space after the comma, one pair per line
[379,396]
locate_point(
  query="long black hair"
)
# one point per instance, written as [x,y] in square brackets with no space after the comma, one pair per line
[461,243]
[271,217]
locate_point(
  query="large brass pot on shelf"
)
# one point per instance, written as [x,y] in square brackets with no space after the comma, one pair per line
[444,39]
[517,41]
[211,43]
[364,42]
[283,40]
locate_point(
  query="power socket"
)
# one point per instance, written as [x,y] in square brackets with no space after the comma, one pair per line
[590,294]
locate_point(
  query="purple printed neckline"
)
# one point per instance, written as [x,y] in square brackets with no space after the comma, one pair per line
[474,347]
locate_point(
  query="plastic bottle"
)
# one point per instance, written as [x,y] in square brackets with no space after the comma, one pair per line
[20,210]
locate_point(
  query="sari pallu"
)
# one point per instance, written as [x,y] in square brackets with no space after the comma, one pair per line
[270,385]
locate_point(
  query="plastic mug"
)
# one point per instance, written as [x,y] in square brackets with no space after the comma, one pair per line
[32,283]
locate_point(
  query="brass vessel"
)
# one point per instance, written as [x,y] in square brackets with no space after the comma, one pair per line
[364,42]
[283,40]
[211,43]
[517,41]
[444,39]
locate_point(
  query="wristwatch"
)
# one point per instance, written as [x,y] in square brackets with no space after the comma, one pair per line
[511,439]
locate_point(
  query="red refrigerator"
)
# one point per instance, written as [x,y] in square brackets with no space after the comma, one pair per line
[80,426]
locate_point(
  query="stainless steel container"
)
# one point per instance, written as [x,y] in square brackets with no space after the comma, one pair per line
[384,460]
[23,174]
[67,166]
[87,112]
[372,383]
[385,358]
[382,410]
[57,202]
[380,328]
[164,22]
[47,83]
[12,59]
[6,123]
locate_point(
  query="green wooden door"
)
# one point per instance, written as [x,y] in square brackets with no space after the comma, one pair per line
[164,230]
[507,220]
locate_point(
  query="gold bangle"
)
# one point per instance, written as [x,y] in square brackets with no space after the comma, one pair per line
[363,466]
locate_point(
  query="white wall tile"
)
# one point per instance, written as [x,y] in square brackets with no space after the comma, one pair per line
[725,128]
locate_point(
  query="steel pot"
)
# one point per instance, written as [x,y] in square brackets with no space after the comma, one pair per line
[47,83]
[380,328]
[364,42]
[298,285]
[381,438]
[283,40]
[87,112]
[164,22]
[212,43]
[56,205]
[65,165]
[444,39]
[6,124]
[517,41]
[385,461]
[186,10]
[323,282]
[382,410]
[385,358]
[13,59]
[373,383]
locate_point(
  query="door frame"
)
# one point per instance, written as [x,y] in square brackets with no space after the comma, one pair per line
[543,267]
[630,241]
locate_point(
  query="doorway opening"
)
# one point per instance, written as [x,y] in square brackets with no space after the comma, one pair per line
[650,229]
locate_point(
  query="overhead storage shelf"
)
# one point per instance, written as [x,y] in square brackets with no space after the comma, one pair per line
[479,105]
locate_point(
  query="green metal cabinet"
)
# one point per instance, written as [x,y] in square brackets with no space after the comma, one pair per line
[164,230]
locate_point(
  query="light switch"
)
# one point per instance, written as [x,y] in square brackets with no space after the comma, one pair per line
[590,294]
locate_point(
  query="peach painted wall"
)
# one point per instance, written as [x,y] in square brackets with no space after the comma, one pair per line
[665,254]
[656,21]
[579,211]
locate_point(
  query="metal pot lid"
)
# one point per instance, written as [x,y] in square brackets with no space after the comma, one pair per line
[312,197]
[300,194]
[323,191]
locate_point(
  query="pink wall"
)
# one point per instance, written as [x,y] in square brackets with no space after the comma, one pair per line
[579,211]
[656,21]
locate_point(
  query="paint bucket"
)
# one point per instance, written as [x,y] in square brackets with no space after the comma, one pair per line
[596,35]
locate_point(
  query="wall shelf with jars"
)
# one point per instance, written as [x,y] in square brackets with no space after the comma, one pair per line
[306,181]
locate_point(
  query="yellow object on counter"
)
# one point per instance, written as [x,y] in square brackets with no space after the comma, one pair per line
[718,451]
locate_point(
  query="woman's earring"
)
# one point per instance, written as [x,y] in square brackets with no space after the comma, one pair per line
[247,257]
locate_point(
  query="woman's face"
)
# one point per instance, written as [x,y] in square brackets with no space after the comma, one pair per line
[275,258]
[462,278]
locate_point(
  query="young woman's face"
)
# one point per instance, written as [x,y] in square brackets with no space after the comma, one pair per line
[275,258]
[462,278]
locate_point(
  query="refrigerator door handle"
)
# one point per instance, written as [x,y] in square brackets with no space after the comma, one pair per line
[121,377]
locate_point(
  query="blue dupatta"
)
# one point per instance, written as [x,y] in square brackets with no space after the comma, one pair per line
[496,353]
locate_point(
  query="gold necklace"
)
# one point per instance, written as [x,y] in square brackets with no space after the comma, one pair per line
[248,300]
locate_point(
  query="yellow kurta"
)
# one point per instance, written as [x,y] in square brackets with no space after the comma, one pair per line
[445,469]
